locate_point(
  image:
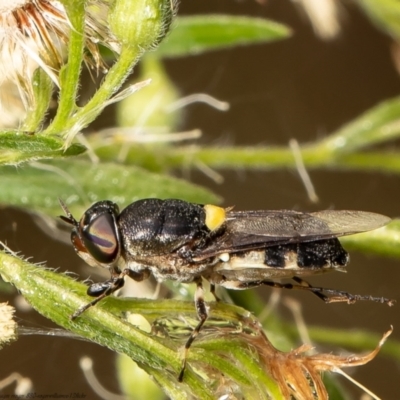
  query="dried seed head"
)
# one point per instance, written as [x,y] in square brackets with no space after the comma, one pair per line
[8,327]
[35,32]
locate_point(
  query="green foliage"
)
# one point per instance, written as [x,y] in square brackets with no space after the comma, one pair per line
[202,33]
[42,91]
[80,183]
[17,147]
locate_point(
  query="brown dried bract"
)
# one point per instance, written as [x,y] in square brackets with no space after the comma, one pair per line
[298,374]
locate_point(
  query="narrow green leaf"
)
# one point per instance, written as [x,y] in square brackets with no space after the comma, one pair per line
[379,124]
[80,183]
[18,147]
[385,241]
[42,89]
[201,33]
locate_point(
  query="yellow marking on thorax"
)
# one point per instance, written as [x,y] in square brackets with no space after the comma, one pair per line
[215,216]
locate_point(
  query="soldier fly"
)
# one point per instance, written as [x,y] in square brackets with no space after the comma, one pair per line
[187,242]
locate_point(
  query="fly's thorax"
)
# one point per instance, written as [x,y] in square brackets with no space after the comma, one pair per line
[154,227]
[168,266]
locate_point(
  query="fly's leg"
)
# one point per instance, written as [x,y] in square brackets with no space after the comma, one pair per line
[327,295]
[335,296]
[202,313]
[104,289]
[100,291]
[212,290]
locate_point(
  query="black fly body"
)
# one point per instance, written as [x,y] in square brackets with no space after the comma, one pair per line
[187,242]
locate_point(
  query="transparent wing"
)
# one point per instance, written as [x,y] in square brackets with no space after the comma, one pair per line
[286,223]
[249,230]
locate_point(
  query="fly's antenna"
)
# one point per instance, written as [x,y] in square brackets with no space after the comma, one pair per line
[69,217]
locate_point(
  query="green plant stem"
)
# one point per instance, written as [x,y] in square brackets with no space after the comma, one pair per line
[69,75]
[112,82]
[377,125]
[387,162]
[250,371]
[265,158]
[170,388]
[255,371]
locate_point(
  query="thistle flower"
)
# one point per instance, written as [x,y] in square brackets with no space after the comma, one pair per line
[34,33]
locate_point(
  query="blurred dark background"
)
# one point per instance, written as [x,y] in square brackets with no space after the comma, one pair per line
[302,88]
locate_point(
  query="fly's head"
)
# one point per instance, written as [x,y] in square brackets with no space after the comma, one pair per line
[95,236]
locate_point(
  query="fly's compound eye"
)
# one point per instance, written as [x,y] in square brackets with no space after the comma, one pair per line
[100,238]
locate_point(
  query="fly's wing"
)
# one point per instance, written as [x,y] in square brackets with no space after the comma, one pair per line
[321,224]
[248,230]
[343,223]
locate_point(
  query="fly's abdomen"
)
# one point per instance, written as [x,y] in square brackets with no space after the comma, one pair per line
[316,254]
[283,261]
